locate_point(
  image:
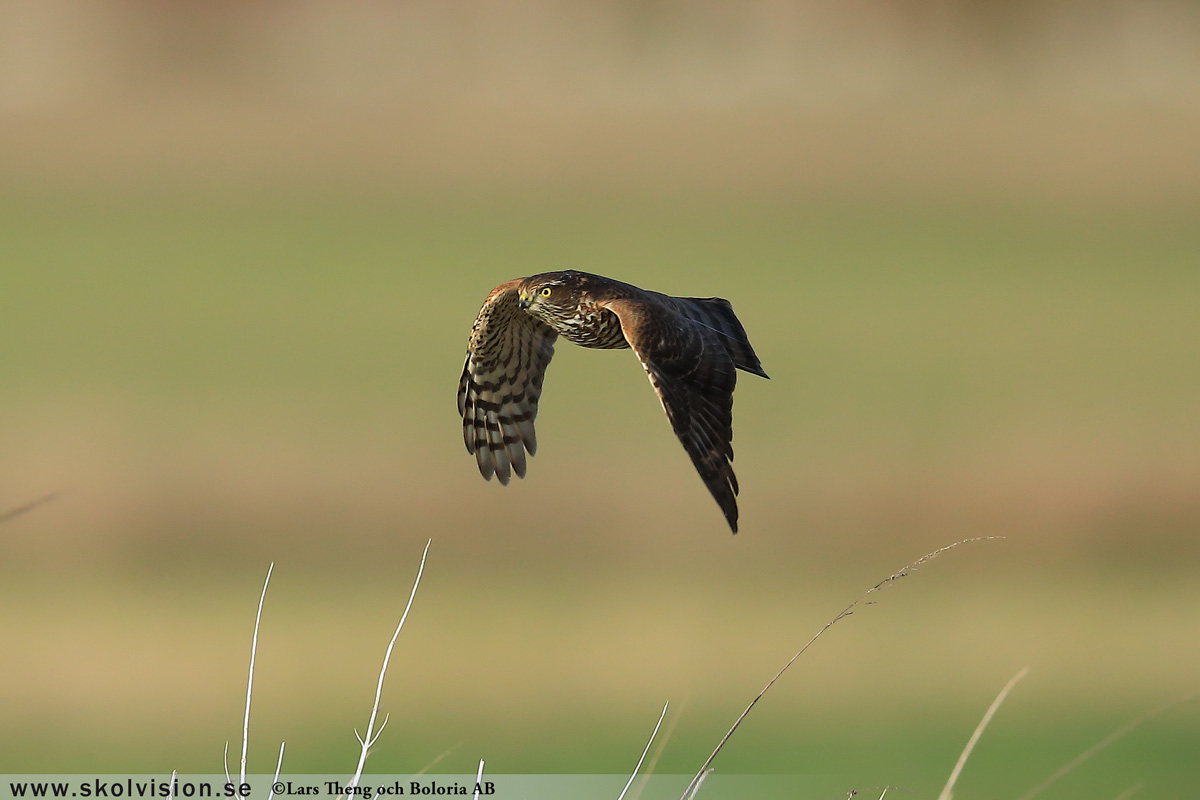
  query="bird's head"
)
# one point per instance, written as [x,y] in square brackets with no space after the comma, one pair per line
[551,296]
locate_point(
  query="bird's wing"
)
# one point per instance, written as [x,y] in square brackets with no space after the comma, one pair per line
[501,382]
[694,376]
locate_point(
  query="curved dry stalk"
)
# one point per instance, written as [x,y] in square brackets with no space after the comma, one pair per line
[278,767]
[434,763]
[250,680]
[24,509]
[633,777]
[1130,792]
[699,781]
[1105,742]
[372,735]
[658,751]
[478,779]
[948,791]
[845,612]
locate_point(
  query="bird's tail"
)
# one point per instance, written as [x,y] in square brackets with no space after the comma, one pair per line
[716,313]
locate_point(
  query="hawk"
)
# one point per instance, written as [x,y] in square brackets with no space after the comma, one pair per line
[690,347]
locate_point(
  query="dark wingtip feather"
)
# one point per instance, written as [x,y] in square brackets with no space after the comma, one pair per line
[747,360]
[731,515]
[724,490]
[716,314]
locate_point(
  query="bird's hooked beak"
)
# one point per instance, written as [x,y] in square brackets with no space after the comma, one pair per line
[524,299]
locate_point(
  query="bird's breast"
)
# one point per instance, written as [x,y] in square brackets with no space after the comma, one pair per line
[594,327]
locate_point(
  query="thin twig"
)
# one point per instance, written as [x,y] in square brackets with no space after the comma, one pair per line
[845,612]
[1105,742]
[250,680]
[699,781]
[948,791]
[372,736]
[433,763]
[278,766]
[1131,791]
[658,751]
[632,777]
[22,510]
[228,779]
[478,779]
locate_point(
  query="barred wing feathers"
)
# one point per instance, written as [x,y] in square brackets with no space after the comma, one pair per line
[693,369]
[501,383]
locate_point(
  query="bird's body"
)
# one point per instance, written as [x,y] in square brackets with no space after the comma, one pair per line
[691,349]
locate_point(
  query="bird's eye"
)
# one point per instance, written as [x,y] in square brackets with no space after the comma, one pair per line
[546,292]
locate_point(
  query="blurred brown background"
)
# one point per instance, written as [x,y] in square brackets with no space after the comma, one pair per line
[241,247]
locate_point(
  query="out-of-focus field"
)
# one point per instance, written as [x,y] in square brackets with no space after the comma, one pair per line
[230,334]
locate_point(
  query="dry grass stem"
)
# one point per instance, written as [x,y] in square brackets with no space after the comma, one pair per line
[22,510]
[1130,792]
[948,791]
[478,779]
[698,781]
[434,763]
[1105,742]
[847,611]
[278,767]
[250,679]
[658,751]
[654,733]
[372,735]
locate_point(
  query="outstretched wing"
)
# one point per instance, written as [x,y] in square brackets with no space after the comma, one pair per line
[501,383]
[694,374]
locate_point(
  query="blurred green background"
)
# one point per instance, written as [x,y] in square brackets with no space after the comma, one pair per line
[241,248]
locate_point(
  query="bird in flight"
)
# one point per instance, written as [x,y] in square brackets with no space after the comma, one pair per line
[690,347]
